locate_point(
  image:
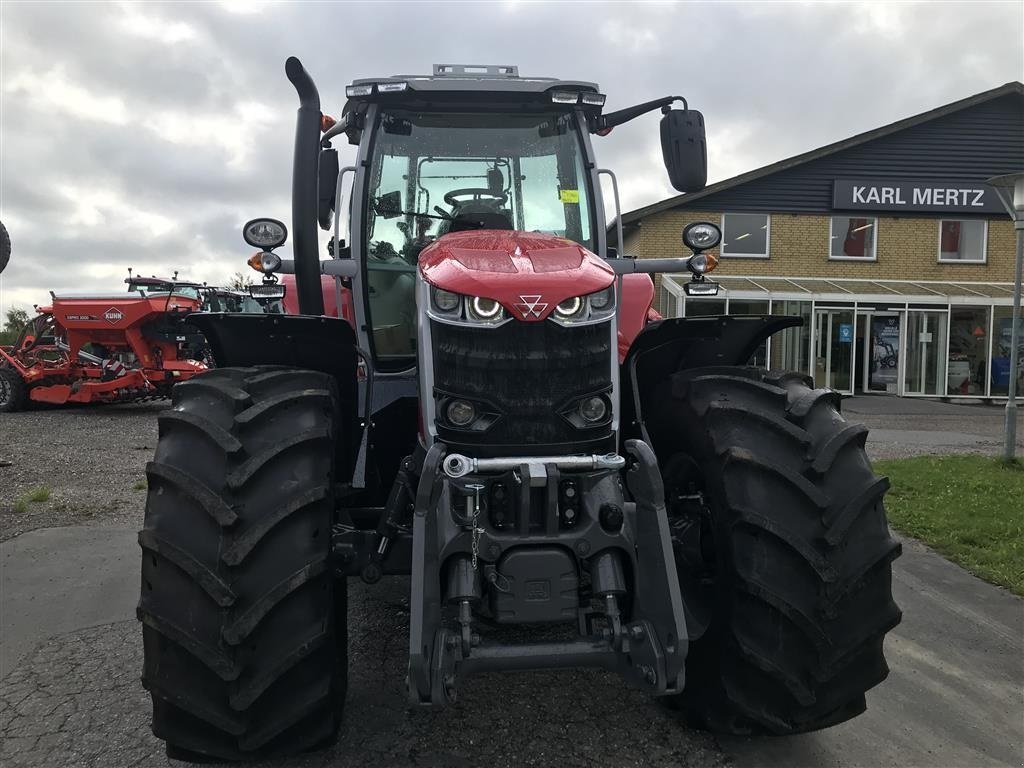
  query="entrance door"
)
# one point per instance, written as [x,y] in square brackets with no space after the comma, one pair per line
[925,371]
[833,349]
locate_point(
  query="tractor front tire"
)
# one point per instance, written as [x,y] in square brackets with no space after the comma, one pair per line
[244,625]
[795,576]
[13,392]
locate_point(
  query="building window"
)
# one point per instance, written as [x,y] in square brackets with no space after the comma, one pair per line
[963,240]
[746,235]
[852,238]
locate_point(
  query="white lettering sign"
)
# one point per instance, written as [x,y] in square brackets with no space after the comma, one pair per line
[913,196]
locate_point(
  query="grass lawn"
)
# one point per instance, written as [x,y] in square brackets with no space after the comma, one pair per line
[969,508]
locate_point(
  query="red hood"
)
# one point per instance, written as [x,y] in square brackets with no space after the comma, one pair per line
[527,273]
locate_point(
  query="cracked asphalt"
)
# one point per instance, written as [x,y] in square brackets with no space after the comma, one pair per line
[70,651]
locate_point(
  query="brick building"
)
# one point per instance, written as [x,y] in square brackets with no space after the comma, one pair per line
[889,245]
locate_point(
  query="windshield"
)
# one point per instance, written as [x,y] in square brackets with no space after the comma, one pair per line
[434,173]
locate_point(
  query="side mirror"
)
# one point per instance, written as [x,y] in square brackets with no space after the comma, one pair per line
[684,149]
[327,186]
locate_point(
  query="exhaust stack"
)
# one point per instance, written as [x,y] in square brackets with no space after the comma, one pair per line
[304,190]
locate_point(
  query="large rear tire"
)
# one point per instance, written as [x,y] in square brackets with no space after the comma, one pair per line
[786,555]
[244,626]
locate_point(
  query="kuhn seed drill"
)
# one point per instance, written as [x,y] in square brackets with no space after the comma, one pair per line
[101,348]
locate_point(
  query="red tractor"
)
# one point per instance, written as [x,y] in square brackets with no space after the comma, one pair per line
[102,348]
[568,481]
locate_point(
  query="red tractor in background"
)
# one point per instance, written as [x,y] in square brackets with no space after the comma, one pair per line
[104,348]
[494,413]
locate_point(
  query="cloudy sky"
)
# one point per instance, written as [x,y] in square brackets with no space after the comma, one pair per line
[144,135]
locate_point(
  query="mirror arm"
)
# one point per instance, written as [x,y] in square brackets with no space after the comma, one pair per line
[612,119]
[338,128]
[649,266]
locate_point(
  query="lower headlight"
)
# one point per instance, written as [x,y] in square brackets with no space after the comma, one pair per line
[460,413]
[593,409]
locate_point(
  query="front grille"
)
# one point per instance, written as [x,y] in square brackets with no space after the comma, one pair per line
[528,372]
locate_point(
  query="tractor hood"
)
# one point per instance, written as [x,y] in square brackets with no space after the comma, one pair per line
[527,273]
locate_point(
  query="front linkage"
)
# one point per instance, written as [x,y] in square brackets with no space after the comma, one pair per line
[479,546]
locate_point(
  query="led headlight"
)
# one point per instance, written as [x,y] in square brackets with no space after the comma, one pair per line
[480,309]
[446,301]
[571,309]
[485,309]
[701,236]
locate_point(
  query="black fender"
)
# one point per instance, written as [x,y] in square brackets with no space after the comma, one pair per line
[675,344]
[326,344]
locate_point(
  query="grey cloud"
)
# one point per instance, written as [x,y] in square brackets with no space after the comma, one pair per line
[771,79]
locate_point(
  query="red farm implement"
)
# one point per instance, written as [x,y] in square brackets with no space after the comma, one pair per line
[100,348]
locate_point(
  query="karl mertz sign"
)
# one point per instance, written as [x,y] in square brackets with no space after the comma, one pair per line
[914,196]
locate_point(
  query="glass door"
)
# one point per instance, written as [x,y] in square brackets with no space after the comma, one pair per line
[925,367]
[833,349]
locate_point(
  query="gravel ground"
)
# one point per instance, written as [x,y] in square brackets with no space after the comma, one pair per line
[902,427]
[91,459]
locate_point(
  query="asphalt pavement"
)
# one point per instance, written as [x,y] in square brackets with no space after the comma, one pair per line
[70,651]
[72,697]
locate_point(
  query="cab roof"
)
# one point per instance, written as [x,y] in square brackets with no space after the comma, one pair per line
[482,77]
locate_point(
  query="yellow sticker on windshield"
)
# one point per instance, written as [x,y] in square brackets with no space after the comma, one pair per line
[569,196]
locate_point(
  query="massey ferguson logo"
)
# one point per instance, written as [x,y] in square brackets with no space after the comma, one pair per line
[531,306]
[113,315]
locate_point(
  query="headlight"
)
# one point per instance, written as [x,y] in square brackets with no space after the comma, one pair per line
[571,309]
[602,299]
[484,309]
[460,413]
[593,409]
[701,236]
[445,301]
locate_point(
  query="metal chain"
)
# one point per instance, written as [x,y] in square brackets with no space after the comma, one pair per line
[477,530]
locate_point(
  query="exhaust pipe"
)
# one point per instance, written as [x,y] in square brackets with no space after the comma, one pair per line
[304,190]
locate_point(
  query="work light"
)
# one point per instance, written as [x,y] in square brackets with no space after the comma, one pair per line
[266,234]
[701,236]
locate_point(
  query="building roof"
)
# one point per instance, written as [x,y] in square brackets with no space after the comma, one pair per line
[1009,89]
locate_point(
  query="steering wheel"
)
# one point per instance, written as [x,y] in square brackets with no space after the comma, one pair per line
[476,192]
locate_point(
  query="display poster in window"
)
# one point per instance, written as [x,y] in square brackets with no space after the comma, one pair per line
[885,354]
[1001,354]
